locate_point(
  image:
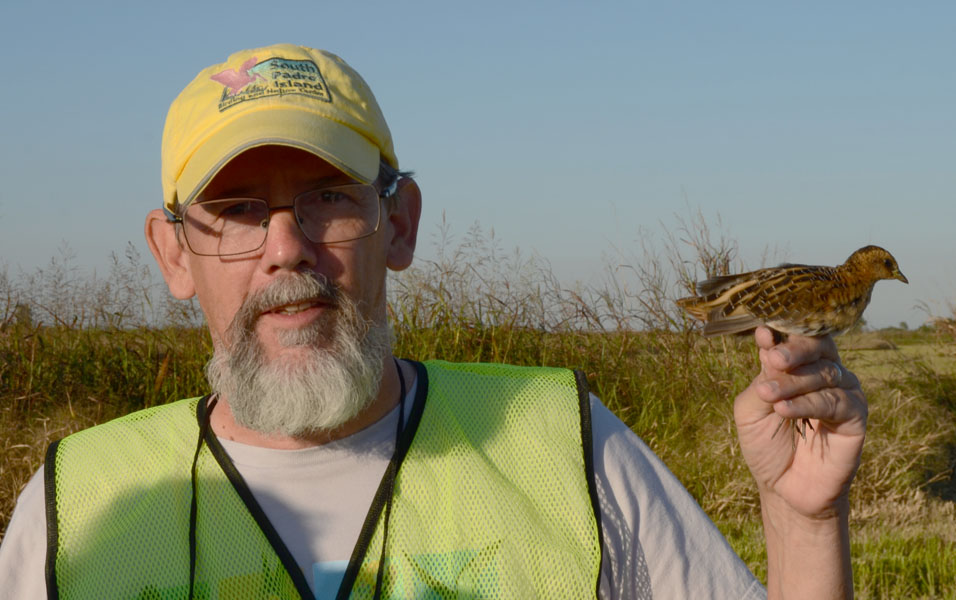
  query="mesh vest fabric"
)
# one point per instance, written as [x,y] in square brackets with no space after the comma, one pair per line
[492,500]
[122,499]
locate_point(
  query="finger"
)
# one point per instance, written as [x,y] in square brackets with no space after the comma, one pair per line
[799,350]
[767,338]
[750,407]
[838,408]
[805,379]
[764,338]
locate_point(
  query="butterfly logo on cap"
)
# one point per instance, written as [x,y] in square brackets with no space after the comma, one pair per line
[237,79]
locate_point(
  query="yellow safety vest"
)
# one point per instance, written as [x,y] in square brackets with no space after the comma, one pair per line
[490,494]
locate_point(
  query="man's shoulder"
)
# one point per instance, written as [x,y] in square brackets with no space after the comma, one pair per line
[162,437]
[494,368]
[166,420]
[503,382]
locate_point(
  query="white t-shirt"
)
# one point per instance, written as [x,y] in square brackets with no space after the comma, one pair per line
[657,542]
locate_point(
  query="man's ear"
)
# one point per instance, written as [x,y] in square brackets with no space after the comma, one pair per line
[403,220]
[169,254]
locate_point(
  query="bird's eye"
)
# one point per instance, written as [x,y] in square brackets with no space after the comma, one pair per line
[888,263]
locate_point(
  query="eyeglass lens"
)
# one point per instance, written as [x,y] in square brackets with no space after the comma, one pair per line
[239,225]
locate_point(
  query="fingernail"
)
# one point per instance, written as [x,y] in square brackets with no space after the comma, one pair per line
[769,388]
[784,353]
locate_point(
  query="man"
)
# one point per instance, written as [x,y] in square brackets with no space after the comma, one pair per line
[321,466]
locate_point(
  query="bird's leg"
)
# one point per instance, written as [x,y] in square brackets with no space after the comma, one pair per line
[804,423]
[775,431]
[778,338]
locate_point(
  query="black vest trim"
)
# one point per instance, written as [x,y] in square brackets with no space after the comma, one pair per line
[385,487]
[587,444]
[239,484]
[52,534]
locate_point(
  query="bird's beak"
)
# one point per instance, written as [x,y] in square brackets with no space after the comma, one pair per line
[901,277]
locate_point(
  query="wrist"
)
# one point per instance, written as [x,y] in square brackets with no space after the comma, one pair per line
[778,509]
[808,556]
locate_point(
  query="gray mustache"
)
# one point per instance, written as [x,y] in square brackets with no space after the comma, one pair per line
[293,288]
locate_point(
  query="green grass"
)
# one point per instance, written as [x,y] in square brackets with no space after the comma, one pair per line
[77,351]
[906,567]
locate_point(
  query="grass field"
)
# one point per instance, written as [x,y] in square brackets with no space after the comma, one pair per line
[76,351]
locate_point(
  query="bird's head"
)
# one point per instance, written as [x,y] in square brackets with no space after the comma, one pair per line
[875,262]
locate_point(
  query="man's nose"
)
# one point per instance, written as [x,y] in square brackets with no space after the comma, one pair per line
[286,245]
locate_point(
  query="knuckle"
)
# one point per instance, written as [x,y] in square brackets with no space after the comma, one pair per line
[831,401]
[833,375]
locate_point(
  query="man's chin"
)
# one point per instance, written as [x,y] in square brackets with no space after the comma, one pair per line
[289,343]
[317,332]
[288,357]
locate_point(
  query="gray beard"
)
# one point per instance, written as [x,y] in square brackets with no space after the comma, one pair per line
[337,377]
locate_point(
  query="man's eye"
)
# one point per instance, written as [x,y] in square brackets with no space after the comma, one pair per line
[237,209]
[333,197]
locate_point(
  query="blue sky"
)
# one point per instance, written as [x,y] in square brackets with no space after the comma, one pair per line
[571,129]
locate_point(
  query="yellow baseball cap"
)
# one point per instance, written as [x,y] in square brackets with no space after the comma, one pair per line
[283,94]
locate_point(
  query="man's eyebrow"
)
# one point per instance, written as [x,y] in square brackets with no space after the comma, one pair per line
[339,179]
[244,191]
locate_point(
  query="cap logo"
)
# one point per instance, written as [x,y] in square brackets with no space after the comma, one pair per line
[237,79]
[272,77]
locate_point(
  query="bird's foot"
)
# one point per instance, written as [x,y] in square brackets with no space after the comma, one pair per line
[795,429]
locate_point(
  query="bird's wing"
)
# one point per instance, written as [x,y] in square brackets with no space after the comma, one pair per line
[748,299]
[720,283]
[740,324]
[787,292]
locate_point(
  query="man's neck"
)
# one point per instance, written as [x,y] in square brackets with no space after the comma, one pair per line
[224,425]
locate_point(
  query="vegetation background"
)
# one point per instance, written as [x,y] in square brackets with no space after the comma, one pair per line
[76,350]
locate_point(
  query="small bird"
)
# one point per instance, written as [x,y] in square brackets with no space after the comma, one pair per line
[793,299]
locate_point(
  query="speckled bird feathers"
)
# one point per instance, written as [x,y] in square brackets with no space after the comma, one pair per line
[793,299]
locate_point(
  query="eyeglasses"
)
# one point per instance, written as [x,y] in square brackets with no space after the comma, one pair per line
[328,215]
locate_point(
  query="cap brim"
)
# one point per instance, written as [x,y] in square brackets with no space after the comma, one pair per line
[333,142]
